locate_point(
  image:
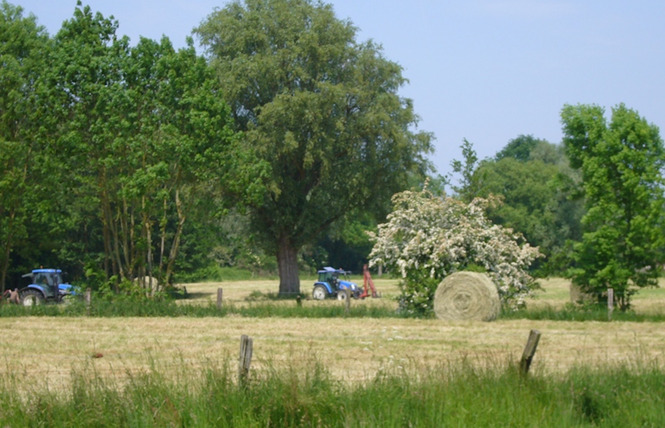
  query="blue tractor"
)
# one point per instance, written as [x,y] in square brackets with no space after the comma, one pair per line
[334,283]
[46,285]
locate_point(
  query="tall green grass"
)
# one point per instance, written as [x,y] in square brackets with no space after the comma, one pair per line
[267,306]
[444,396]
[572,312]
[125,307]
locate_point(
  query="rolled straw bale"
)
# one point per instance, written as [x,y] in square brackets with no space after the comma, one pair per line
[467,296]
[148,283]
[578,296]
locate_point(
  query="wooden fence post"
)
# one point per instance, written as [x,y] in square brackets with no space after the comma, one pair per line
[299,301]
[245,359]
[88,300]
[529,351]
[220,295]
[347,301]
[610,303]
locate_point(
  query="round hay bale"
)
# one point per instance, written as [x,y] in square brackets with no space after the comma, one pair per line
[578,296]
[467,296]
[148,283]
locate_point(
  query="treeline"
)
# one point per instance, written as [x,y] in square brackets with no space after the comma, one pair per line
[278,151]
[119,162]
[108,151]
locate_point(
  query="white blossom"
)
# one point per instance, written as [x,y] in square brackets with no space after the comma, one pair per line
[438,236]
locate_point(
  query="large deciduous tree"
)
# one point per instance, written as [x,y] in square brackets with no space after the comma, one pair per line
[321,108]
[621,164]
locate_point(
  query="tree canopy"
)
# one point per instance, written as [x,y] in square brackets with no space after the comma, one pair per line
[121,146]
[23,45]
[538,190]
[321,108]
[621,162]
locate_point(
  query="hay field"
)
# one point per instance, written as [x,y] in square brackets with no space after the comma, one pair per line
[38,351]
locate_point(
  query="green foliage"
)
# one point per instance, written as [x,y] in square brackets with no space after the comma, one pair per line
[347,244]
[153,132]
[321,109]
[621,163]
[23,171]
[539,193]
[466,189]
[109,149]
[537,202]
[417,294]
[216,247]
[521,148]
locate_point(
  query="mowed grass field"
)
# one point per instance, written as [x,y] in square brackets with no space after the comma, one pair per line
[42,352]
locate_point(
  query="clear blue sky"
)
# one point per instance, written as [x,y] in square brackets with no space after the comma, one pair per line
[484,70]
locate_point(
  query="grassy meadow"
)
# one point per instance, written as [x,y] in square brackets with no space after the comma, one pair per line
[346,370]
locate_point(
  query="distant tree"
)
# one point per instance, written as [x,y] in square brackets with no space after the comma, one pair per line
[539,199]
[322,109]
[519,148]
[466,190]
[621,164]
[426,238]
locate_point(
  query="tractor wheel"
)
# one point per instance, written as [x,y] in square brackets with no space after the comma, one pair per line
[319,293]
[342,295]
[32,298]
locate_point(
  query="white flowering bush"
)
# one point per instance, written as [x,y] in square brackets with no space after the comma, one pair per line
[427,238]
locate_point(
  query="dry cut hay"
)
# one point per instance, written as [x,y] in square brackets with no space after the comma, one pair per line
[467,296]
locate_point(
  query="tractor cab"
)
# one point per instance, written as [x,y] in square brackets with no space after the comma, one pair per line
[330,276]
[334,283]
[45,285]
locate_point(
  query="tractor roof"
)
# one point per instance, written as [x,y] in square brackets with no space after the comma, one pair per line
[331,270]
[41,270]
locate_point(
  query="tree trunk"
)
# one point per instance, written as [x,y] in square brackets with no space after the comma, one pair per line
[287,261]
[7,251]
[175,245]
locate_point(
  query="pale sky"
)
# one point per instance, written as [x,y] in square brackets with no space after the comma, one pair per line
[484,70]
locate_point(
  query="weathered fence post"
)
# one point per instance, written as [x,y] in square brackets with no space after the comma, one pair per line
[347,301]
[610,303]
[299,300]
[529,351]
[245,359]
[88,300]
[220,295]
